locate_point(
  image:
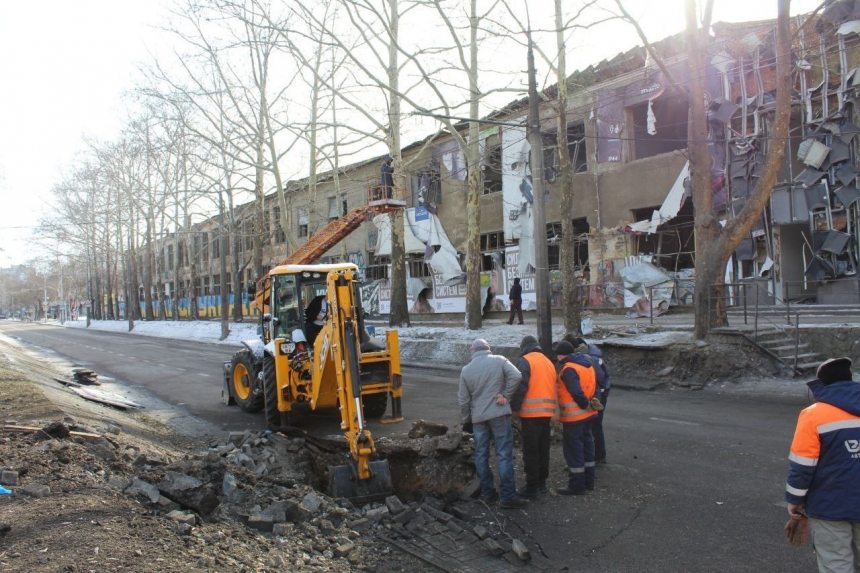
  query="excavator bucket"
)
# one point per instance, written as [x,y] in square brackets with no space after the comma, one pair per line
[344,482]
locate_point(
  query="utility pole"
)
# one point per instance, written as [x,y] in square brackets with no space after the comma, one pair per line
[544,316]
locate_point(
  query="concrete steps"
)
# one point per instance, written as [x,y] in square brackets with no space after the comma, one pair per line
[781,344]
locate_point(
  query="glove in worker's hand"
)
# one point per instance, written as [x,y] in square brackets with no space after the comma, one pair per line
[796,530]
[467,427]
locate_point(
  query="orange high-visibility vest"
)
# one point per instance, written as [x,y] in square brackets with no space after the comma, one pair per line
[540,401]
[569,409]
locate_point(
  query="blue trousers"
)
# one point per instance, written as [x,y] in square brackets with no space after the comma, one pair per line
[578,448]
[499,431]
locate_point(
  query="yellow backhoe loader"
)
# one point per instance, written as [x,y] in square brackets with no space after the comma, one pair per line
[314,352]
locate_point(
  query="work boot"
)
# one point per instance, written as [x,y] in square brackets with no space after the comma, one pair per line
[492,497]
[528,492]
[590,487]
[542,487]
[568,491]
[516,503]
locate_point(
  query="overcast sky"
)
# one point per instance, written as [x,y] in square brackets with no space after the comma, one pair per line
[65,65]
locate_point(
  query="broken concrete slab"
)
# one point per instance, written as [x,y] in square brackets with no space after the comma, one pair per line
[424,429]
[189,492]
[493,546]
[143,488]
[8,477]
[395,506]
[520,549]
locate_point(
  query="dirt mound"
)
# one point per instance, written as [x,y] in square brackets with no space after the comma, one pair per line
[690,365]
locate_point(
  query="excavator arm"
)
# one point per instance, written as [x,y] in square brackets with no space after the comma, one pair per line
[361,479]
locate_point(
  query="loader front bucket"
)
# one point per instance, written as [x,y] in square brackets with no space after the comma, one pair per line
[344,482]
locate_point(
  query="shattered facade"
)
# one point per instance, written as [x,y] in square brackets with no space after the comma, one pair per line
[633,215]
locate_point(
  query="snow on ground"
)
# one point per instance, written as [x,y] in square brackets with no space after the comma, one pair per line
[210,331]
[499,334]
[205,331]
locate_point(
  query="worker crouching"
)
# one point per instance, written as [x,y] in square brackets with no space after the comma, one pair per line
[577,385]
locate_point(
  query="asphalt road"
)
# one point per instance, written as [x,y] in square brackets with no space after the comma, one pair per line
[695,479]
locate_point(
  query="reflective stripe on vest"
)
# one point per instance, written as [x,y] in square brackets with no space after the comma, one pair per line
[569,409]
[540,398]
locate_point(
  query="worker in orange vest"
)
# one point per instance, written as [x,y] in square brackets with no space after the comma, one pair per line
[535,401]
[577,385]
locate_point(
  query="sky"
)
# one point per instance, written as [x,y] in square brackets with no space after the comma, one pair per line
[64,67]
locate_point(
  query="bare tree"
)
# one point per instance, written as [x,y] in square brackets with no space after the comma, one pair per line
[715,242]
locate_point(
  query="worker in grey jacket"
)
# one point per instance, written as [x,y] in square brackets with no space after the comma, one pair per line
[486,386]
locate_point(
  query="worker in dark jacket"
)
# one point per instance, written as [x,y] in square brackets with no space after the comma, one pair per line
[516,299]
[824,467]
[603,385]
[386,177]
[577,384]
[535,400]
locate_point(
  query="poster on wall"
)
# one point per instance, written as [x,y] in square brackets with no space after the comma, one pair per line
[527,280]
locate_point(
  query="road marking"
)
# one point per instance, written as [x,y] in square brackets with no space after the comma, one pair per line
[203,374]
[675,421]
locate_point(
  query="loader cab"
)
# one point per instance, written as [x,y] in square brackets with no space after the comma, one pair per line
[285,301]
[294,295]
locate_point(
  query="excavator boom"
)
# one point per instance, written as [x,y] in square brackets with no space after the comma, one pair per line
[329,236]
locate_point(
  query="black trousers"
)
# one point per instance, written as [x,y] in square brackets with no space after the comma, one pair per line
[535,433]
[516,309]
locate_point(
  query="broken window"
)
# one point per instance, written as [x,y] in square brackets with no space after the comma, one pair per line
[332,209]
[169,257]
[672,246]
[667,130]
[426,188]
[216,284]
[491,170]
[492,250]
[303,222]
[419,269]
[575,151]
[378,271]
[580,244]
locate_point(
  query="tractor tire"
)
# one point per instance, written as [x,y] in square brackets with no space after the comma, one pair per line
[275,419]
[375,405]
[243,383]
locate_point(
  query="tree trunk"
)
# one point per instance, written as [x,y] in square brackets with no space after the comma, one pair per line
[570,296]
[715,244]
[399,312]
[474,304]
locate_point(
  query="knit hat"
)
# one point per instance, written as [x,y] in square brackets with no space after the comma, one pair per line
[479,344]
[564,348]
[834,370]
[527,340]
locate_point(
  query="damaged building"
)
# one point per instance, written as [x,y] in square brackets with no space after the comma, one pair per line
[635,245]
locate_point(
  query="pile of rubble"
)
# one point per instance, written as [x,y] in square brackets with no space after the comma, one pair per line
[251,500]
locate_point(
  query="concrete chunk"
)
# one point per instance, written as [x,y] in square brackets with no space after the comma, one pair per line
[8,477]
[146,489]
[520,549]
[493,547]
[182,517]
[344,548]
[376,514]
[394,505]
[481,532]
[311,502]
